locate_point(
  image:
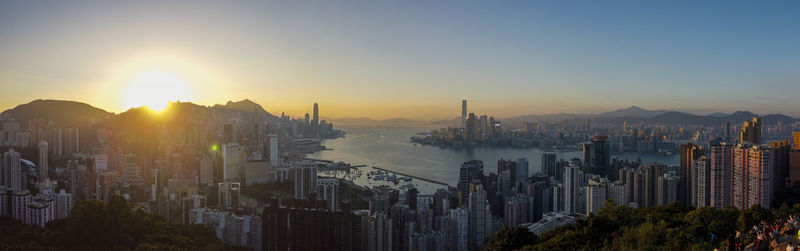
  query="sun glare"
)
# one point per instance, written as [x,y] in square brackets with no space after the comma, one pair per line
[155,89]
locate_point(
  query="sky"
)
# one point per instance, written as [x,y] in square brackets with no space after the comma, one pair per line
[412,59]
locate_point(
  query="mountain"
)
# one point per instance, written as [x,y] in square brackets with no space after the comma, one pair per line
[454,122]
[718,114]
[681,118]
[400,121]
[633,112]
[353,121]
[369,121]
[775,118]
[517,121]
[63,113]
[715,119]
[636,114]
[244,106]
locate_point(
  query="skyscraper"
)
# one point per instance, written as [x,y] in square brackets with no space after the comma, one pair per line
[633,178]
[781,165]
[464,114]
[460,217]
[517,210]
[720,176]
[727,131]
[63,204]
[651,174]
[305,180]
[328,190]
[666,188]
[587,156]
[231,160]
[596,195]
[573,180]
[411,199]
[477,216]
[12,173]
[507,165]
[274,160]
[522,174]
[471,132]
[43,160]
[132,172]
[227,133]
[206,171]
[601,155]
[689,152]
[484,127]
[228,194]
[379,232]
[701,179]
[598,190]
[751,132]
[315,121]
[549,166]
[469,171]
[752,176]
[796,145]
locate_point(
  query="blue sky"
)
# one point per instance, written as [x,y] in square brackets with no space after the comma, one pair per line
[413,59]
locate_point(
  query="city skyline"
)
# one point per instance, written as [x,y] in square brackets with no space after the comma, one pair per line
[633,111]
[414,125]
[413,60]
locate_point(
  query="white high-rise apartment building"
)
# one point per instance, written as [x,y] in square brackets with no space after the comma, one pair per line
[477,216]
[328,189]
[231,160]
[42,160]
[274,159]
[460,217]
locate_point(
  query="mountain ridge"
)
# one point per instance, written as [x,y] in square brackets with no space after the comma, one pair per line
[66,113]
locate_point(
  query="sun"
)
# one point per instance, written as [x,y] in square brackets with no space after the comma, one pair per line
[155,89]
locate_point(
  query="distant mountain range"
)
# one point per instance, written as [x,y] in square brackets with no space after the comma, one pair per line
[635,114]
[76,114]
[369,121]
[65,113]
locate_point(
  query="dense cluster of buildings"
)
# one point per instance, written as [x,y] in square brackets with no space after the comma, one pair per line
[198,173]
[18,177]
[741,174]
[474,130]
[190,171]
[569,133]
[722,172]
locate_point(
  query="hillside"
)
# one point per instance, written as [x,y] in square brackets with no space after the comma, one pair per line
[633,112]
[676,226]
[636,114]
[116,225]
[62,112]
[244,107]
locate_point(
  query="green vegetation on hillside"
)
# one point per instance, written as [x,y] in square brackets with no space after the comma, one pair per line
[116,225]
[676,226]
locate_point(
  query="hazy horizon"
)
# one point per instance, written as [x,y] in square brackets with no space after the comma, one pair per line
[455,117]
[413,60]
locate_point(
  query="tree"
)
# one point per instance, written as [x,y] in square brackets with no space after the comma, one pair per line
[96,225]
[511,239]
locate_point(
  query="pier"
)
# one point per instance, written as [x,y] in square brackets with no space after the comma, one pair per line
[320,160]
[412,176]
